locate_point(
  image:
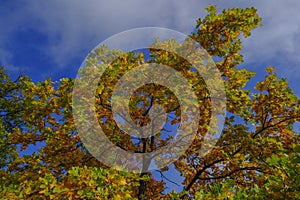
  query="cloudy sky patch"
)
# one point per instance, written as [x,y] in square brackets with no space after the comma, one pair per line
[55,36]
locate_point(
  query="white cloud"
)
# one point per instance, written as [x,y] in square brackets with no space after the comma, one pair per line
[277,42]
[75,27]
[80,25]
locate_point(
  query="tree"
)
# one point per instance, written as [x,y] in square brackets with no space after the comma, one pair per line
[10,106]
[41,114]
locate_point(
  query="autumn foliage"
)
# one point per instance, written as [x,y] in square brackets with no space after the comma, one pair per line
[256,157]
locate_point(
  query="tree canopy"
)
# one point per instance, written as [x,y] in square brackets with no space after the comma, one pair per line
[256,156]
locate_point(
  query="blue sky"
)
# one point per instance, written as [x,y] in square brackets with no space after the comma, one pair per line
[52,38]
